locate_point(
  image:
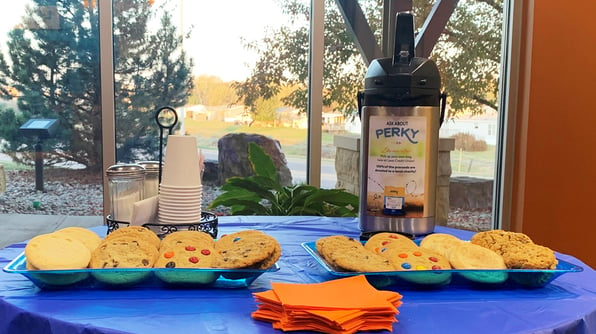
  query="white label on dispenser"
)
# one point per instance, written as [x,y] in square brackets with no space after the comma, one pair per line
[396,165]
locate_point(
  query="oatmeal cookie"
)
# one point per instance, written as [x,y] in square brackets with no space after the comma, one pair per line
[518,255]
[496,239]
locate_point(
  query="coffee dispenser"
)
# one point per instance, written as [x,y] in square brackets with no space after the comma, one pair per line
[401,108]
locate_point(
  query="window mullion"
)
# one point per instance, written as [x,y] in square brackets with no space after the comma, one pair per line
[106,63]
[315,92]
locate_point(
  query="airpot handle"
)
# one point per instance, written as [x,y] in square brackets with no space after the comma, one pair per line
[403,48]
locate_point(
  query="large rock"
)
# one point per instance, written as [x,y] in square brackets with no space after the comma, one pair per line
[470,193]
[2,180]
[211,172]
[233,156]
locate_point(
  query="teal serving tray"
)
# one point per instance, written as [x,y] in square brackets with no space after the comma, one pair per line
[488,278]
[132,277]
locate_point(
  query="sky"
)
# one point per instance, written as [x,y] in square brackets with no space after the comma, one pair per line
[217,29]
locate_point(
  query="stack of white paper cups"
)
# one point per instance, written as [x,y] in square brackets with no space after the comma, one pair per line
[181,189]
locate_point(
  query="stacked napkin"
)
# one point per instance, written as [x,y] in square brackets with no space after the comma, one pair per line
[344,305]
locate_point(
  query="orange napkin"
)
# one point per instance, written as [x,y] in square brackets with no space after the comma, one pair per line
[344,305]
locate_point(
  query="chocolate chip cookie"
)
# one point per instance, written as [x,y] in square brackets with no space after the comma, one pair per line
[124,252]
[246,249]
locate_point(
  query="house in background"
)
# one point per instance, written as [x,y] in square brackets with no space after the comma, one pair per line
[285,117]
[196,112]
[482,127]
[226,113]
[291,117]
[334,121]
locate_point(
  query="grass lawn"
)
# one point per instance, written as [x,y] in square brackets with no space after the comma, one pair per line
[9,165]
[481,164]
[293,141]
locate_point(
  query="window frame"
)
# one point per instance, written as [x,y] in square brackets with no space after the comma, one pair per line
[508,107]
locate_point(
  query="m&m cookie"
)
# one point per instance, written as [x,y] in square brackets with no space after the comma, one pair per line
[416,259]
[187,255]
[383,241]
[423,266]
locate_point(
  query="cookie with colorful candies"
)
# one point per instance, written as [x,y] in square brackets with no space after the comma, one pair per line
[388,240]
[416,259]
[420,265]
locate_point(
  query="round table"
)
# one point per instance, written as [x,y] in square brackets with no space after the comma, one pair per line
[566,305]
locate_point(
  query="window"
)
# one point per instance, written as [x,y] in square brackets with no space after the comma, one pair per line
[225,45]
[50,70]
[464,39]
[222,44]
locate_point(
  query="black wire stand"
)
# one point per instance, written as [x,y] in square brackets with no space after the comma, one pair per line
[166,118]
[208,224]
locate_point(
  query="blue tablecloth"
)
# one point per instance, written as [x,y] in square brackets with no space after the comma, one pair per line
[567,305]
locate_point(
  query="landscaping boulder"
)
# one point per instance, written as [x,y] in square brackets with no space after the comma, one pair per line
[233,156]
[2,180]
[211,172]
[470,193]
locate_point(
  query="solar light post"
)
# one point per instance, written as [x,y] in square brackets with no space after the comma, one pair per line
[38,166]
[40,128]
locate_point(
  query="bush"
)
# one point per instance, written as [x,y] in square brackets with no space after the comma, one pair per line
[468,142]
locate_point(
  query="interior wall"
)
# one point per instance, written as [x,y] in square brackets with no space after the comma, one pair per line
[555,168]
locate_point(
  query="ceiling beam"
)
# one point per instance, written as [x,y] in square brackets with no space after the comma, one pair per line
[360,30]
[433,27]
[364,38]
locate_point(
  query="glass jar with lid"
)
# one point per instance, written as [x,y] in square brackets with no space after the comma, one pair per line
[151,187]
[126,186]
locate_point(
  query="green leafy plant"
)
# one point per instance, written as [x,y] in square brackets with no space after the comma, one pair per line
[262,194]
